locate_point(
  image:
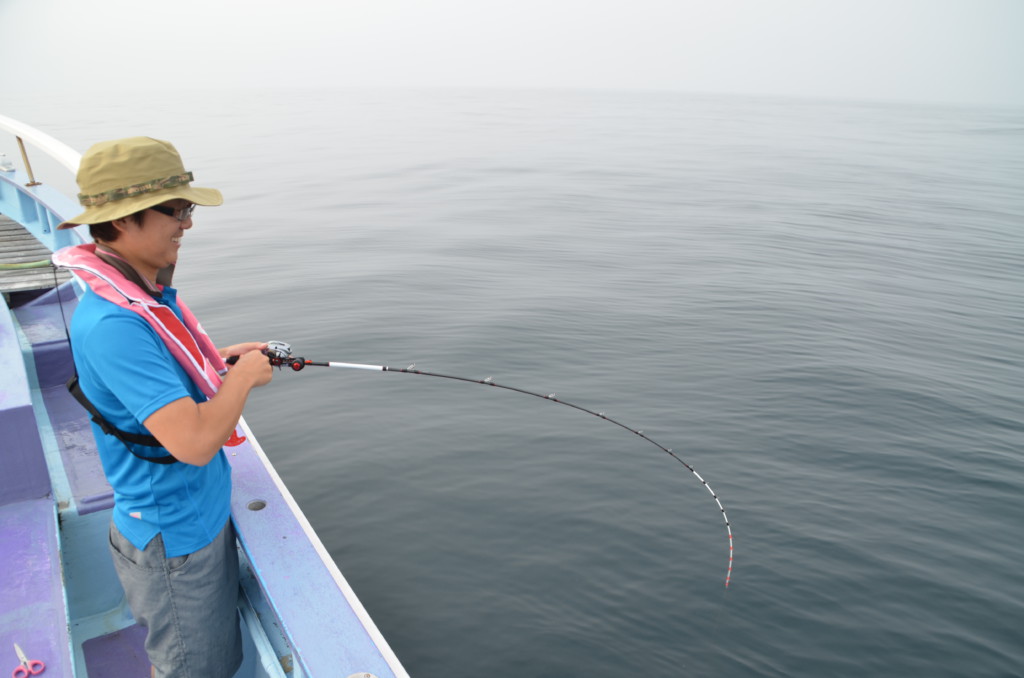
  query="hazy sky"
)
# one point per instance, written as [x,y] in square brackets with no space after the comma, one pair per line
[957,51]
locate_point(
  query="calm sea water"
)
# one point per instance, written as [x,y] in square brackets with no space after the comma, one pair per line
[819,305]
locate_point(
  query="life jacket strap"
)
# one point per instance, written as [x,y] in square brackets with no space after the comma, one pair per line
[124,436]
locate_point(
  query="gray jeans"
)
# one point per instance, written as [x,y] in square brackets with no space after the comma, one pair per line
[188,604]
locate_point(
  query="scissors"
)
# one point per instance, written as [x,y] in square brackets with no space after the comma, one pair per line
[29,667]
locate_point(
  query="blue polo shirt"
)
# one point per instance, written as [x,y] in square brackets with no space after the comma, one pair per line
[128,373]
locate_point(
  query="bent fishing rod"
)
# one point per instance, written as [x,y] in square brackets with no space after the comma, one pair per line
[280,355]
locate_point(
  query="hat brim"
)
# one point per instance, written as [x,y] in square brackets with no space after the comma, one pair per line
[207,197]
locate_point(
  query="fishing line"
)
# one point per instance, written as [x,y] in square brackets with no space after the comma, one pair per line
[280,355]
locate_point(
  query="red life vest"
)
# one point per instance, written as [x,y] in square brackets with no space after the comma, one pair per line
[187,341]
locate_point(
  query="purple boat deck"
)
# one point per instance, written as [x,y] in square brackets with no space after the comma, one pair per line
[33,606]
[42,322]
[33,611]
[121,654]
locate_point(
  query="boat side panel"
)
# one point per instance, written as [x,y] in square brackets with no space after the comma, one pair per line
[24,474]
[327,634]
[43,322]
[39,209]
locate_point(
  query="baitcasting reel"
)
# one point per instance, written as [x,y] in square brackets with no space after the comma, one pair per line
[280,353]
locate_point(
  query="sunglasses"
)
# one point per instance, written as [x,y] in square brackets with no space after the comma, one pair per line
[181,215]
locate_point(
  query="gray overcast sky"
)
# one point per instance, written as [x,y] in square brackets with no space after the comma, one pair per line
[956,51]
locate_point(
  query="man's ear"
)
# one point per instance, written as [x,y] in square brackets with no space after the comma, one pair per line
[124,223]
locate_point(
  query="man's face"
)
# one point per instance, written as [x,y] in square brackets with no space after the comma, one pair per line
[155,241]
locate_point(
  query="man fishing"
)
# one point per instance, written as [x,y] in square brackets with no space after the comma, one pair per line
[166,403]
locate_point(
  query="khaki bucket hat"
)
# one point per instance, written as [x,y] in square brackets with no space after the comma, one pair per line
[121,177]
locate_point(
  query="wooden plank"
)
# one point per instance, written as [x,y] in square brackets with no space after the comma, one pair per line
[18,246]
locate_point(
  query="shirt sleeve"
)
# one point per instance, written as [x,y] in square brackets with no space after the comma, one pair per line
[134,365]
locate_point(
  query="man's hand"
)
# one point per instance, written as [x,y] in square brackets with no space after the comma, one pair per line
[253,365]
[194,432]
[241,349]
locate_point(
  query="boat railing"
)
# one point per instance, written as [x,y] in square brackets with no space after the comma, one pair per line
[59,151]
[37,206]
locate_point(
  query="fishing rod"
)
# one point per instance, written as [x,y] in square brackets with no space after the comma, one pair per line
[280,355]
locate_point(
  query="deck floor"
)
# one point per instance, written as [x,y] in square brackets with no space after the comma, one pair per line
[18,246]
[121,654]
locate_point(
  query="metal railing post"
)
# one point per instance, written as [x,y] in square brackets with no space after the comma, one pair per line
[28,168]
